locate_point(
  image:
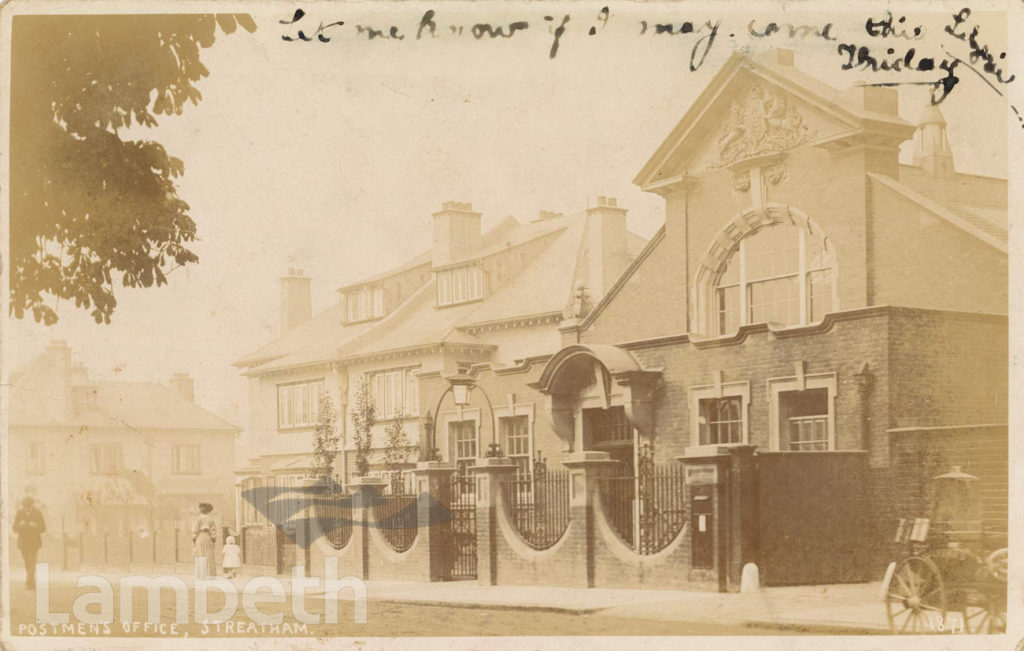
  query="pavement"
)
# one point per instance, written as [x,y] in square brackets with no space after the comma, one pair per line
[849,608]
[844,608]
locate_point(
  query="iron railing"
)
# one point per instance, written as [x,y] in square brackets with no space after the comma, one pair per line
[662,507]
[539,505]
[333,512]
[646,510]
[395,515]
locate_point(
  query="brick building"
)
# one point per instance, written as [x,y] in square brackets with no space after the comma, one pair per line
[815,333]
[868,320]
[830,351]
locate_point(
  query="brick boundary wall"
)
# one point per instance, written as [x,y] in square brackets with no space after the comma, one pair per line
[350,557]
[384,563]
[618,566]
[589,554]
[369,556]
[561,564]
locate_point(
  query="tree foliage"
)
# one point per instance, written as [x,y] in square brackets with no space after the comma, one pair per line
[326,439]
[364,413]
[89,207]
[396,448]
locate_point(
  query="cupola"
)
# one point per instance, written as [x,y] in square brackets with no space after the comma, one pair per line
[931,146]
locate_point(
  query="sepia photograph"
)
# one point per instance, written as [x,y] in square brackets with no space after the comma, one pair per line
[508,324]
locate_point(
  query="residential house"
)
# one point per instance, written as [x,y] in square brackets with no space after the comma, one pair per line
[115,457]
[474,297]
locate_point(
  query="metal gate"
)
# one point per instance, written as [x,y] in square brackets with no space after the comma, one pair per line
[460,547]
[649,510]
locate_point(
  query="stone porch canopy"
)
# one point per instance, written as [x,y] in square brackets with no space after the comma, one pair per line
[597,376]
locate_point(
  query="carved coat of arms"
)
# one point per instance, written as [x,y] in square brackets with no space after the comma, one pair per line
[762,123]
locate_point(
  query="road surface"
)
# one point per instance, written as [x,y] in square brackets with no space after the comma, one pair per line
[384,619]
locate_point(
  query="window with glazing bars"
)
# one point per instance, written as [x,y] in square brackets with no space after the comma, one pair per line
[783,273]
[515,432]
[186,459]
[395,390]
[721,421]
[804,418]
[298,403]
[106,458]
[462,434]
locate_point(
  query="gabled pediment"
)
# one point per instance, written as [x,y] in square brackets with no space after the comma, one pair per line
[752,109]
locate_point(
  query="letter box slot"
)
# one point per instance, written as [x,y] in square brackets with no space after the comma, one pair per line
[702,527]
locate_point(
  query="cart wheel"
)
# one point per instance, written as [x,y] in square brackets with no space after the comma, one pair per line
[980,613]
[916,599]
[998,563]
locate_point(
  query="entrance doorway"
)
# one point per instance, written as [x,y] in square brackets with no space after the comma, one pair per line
[607,430]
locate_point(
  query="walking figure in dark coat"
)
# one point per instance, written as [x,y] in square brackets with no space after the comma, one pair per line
[29,525]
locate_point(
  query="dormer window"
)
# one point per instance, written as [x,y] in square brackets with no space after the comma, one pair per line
[364,303]
[460,285]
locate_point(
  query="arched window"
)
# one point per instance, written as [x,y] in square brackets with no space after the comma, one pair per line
[779,273]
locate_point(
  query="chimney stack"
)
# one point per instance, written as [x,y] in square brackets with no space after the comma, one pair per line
[607,254]
[776,57]
[296,300]
[184,385]
[457,234]
[784,57]
[79,374]
[57,371]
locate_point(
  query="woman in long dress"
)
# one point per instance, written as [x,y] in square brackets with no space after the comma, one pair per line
[204,534]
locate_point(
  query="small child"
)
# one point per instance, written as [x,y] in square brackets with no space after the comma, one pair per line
[232,557]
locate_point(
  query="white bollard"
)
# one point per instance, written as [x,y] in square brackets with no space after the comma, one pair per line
[750,580]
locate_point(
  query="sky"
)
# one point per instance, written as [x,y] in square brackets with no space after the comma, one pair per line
[330,157]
